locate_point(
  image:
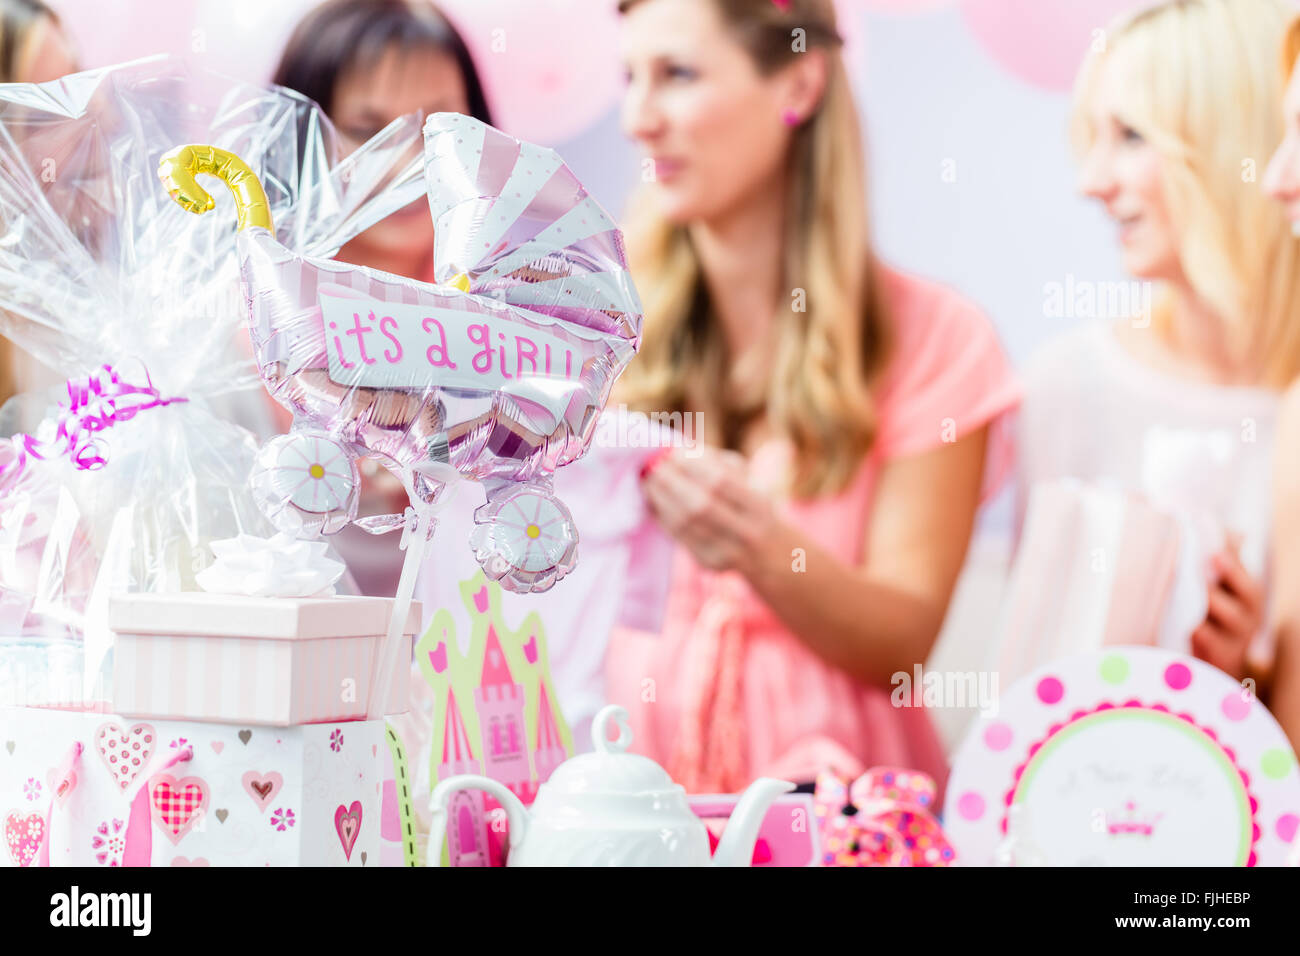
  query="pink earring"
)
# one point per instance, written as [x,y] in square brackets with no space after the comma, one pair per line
[790,117]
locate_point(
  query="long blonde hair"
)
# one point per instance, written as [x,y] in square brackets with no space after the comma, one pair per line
[818,395]
[1290,49]
[1206,96]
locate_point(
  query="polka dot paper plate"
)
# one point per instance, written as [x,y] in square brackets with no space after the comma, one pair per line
[1130,756]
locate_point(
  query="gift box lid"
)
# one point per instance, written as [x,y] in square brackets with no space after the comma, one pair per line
[226,615]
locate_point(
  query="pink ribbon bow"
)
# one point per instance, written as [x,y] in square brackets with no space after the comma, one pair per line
[95,402]
[883,818]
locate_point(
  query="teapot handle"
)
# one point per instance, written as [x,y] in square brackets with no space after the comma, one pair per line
[516,812]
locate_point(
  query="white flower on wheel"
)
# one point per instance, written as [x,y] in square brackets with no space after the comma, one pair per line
[315,473]
[527,541]
[306,483]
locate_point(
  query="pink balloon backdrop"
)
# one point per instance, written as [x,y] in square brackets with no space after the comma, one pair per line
[107,33]
[898,6]
[242,38]
[1041,41]
[551,67]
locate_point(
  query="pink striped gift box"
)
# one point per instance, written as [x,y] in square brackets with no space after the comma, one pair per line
[270,661]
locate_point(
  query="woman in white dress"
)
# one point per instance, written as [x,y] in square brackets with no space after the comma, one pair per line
[1177,402]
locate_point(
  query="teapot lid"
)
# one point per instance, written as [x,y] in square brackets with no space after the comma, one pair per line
[610,769]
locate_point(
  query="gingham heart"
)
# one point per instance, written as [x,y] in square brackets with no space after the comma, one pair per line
[23,836]
[125,752]
[177,805]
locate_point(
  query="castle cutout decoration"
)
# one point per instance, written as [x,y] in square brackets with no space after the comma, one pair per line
[496,715]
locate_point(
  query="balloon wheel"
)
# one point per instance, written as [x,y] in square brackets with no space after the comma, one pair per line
[527,541]
[310,482]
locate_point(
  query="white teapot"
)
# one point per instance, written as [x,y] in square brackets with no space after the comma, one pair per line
[612,808]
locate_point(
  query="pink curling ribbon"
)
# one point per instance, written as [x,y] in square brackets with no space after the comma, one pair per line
[95,402]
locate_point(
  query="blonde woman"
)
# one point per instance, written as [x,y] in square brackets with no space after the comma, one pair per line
[1282,182]
[846,407]
[33,49]
[1180,405]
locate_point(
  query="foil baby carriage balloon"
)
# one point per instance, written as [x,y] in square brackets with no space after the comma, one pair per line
[496,374]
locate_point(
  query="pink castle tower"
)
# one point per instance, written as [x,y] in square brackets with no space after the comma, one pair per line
[467,835]
[550,751]
[499,701]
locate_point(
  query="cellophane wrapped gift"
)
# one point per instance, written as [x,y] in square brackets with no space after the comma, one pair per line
[121,482]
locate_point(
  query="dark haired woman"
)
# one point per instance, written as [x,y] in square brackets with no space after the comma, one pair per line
[366,63]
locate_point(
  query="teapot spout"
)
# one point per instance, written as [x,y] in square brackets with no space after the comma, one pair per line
[741,832]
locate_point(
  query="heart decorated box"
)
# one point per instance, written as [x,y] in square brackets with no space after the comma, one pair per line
[93,789]
[271,661]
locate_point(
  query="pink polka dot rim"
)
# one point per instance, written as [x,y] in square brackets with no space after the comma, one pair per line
[1050,690]
[997,736]
[970,805]
[1193,692]
[1286,827]
[1236,706]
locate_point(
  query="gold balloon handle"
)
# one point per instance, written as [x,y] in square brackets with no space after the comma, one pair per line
[178,168]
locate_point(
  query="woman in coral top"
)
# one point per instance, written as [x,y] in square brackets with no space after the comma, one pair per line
[847,410]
